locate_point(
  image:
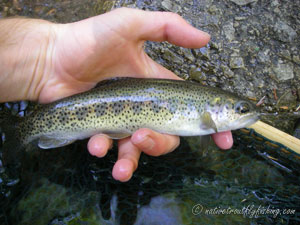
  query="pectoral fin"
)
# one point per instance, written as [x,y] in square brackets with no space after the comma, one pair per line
[207,122]
[47,142]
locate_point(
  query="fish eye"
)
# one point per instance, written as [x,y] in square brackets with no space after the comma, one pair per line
[242,107]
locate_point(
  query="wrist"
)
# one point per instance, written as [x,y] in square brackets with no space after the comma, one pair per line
[26,51]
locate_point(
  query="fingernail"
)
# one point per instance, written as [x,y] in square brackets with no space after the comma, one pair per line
[145,142]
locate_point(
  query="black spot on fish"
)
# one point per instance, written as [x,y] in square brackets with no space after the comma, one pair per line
[155,107]
[136,107]
[81,113]
[63,118]
[173,105]
[100,109]
[117,107]
[191,104]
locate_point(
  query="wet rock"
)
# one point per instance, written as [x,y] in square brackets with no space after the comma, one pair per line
[287,99]
[236,62]
[187,53]
[263,56]
[104,6]
[171,57]
[170,6]
[213,79]
[274,3]
[209,20]
[285,54]
[297,130]
[11,11]
[296,59]
[297,73]
[227,72]
[216,45]
[203,53]
[259,83]
[196,74]
[5,9]
[41,10]
[284,71]
[253,31]
[240,18]
[213,10]
[229,31]
[4,12]
[243,2]
[284,32]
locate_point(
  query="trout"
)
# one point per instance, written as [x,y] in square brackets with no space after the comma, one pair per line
[121,106]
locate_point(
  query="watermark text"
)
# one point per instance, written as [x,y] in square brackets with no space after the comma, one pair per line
[250,211]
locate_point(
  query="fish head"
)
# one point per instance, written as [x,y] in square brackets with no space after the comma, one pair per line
[235,113]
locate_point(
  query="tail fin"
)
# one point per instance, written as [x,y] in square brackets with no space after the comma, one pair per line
[11,144]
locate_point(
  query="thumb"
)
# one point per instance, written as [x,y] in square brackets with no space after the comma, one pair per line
[167,26]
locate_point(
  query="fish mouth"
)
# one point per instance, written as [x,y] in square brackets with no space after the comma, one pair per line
[243,122]
[247,120]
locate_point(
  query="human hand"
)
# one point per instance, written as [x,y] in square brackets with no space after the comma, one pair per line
[81,54]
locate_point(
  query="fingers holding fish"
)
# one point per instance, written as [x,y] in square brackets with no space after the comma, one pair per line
[223,140]
[143,140]
[99,144]
[146,140]
[153,143]
[127,162]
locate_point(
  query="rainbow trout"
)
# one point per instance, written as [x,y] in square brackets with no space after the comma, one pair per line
[121,106]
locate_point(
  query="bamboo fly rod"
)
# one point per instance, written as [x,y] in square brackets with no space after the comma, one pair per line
[276,135]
